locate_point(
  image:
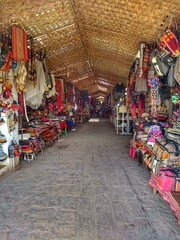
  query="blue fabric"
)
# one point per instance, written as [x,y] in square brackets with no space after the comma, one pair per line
[70,123]
[85,96]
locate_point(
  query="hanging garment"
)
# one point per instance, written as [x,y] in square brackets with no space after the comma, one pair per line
[132,79]
[34,94]
[19,44]
[141,104]
[62,84]
[53,90]
[20,74]
[141,85]
[145,66]
[10,120]
[69,93]
[85,96]
[59,91]
[21,103]
[32,64]
[49,84]
[128,98]
[142,47]
[133,109]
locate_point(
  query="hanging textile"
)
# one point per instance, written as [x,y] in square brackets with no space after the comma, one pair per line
[21,103]
[59,91]
[128,98]
[133,109]
[69,93]
[19,44]
[20,74]
[10,120]
[145,65]
[53,90]
[85,96]
[62,84]
[141,104]
[140,85]
[34,94]
[32,64]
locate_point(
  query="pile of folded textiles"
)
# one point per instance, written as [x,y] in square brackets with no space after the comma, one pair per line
[35,140]
[47,131]
[47,135]
[54,126]
[163,183]
[158,142]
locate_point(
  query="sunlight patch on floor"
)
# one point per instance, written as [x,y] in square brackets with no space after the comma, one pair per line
[94,120]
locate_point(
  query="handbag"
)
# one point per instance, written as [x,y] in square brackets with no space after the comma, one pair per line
[155,164]
[166,179]
[168,151]
[172,43]
[166,57]
[160,67]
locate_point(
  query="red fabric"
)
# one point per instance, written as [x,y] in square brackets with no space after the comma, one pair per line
[133,109]
[63,124]
[51,107]
[59,91]
[19,44]
[21,103]
[141,105]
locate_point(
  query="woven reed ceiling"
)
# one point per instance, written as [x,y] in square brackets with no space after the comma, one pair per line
[91,43]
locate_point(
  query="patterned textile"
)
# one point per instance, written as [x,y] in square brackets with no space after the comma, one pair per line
[59,91]
[21,103]
[32,64]
[34,94]
[20,74]
[19,44]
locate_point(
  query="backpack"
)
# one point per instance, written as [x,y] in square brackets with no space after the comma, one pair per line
[167,58]
[160,67]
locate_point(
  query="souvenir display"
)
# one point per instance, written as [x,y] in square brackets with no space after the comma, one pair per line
[156,113]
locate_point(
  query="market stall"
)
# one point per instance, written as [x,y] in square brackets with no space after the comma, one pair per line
[153,97]
[36,106]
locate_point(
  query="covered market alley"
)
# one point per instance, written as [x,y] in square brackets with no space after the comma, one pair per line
[89,119]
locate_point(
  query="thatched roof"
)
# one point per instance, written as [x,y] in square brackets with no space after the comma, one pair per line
[91,43]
